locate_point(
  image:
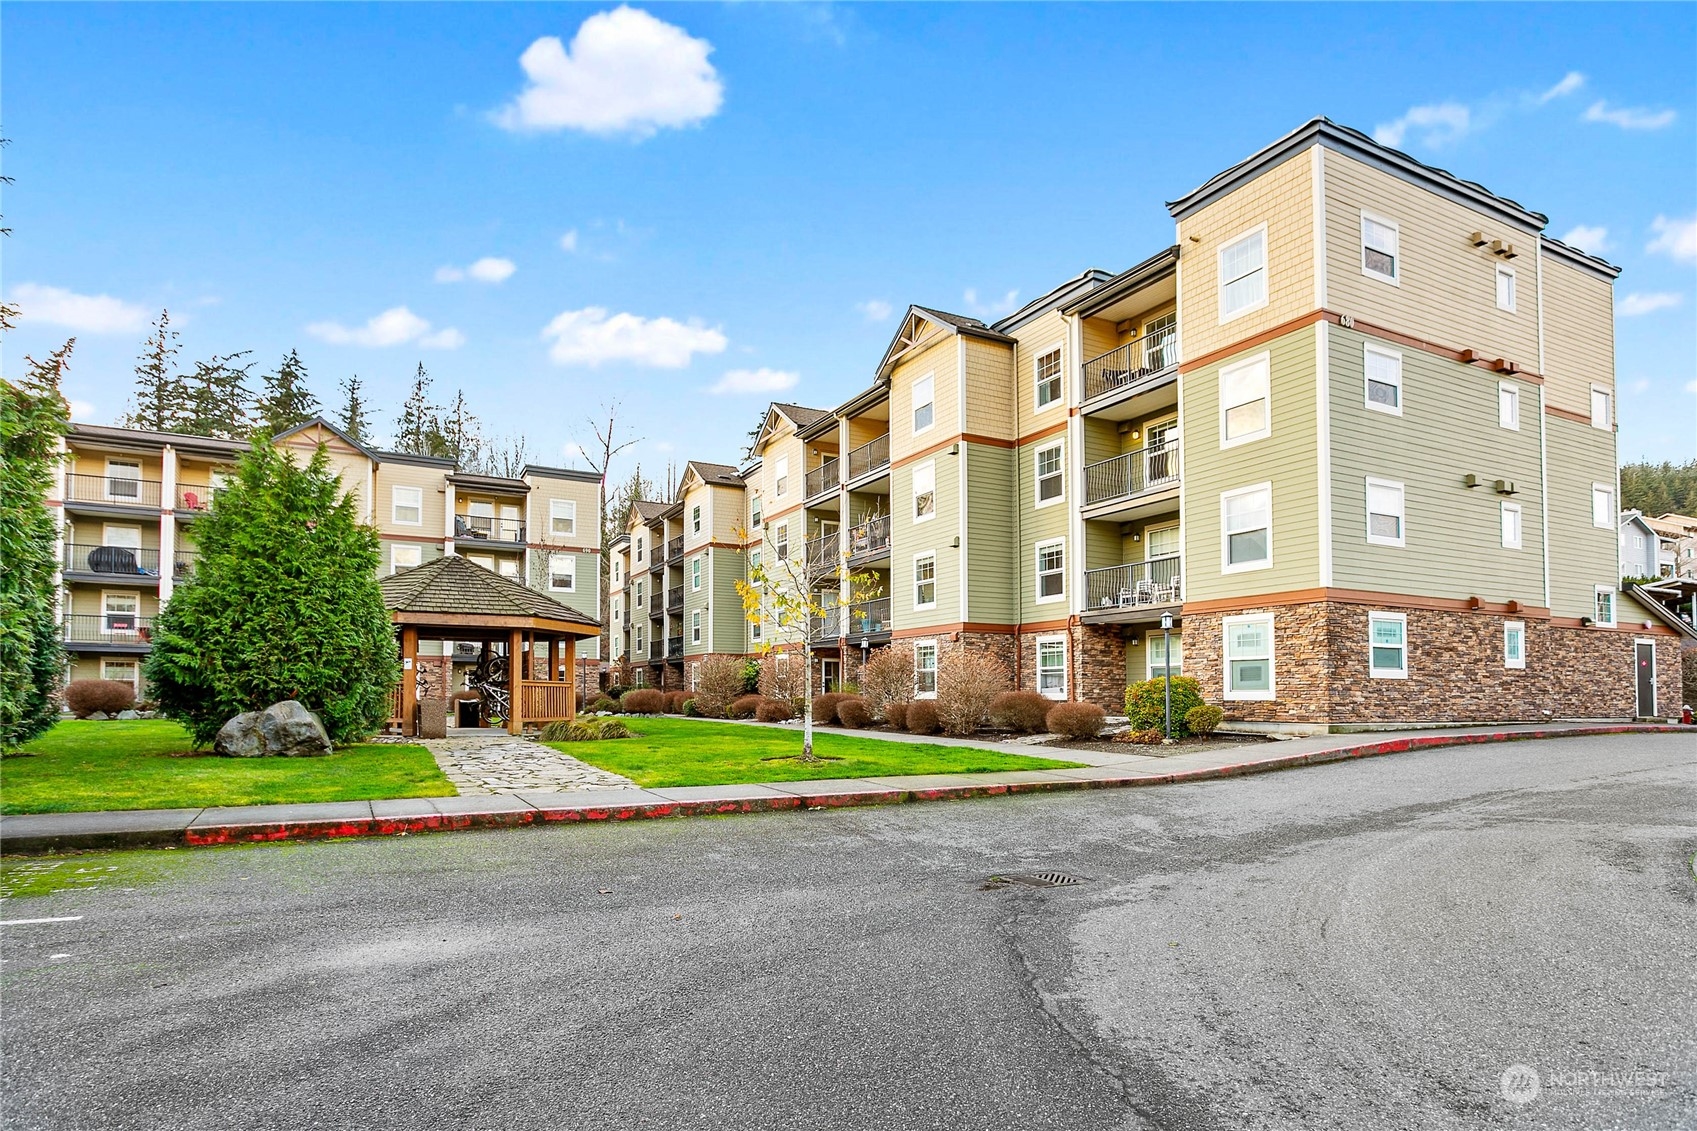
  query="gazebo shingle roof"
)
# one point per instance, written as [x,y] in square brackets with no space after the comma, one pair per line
[452,584]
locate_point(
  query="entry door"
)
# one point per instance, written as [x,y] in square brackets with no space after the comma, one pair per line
[1160,452]
[1645,654]
[831,673]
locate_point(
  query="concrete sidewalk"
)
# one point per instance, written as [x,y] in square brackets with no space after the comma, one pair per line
[152,828]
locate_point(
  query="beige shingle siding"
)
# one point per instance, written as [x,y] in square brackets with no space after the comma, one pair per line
[992,547]
[1582,555]
[1447,288]
[586,495]
[989,389]
[431,484]
[938,360]
[1579,346]
[1449,427]
[1281,198]
[1099,337]
[1287,458]
[1037,338]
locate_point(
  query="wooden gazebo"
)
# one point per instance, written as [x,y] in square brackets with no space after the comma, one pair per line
[451,598]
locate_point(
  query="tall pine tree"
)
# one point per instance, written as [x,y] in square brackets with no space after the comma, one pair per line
[219,398]
[285,401]
[355,418]
[418,429]
[161,398]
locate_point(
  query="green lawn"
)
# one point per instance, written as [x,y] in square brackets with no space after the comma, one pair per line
[149,764]
[674,752]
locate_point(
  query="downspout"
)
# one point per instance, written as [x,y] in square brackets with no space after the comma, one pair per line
[1543,439]
[1018,540]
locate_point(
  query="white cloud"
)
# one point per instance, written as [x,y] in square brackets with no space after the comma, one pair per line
[1635,304]
[394,327]
[875,309]
[1587,238]
[568,242]
[1691,386]
[1642,385]
[1674,238]
[489,269]
[1629,118]
[574,451]
[756,381]
[1436,125]
[1569,83]
[81,410]
[989,308]
[625,73]
[86,314]
[590,337]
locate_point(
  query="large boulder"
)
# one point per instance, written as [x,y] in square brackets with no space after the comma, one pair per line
[289,730]
[128,714]
[239,738]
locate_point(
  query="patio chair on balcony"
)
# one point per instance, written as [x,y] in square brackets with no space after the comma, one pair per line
[1144,592]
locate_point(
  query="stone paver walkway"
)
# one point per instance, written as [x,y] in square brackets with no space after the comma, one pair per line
[500,763]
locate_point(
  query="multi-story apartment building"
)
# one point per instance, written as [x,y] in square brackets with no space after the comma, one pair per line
[128,502]
[1352,435]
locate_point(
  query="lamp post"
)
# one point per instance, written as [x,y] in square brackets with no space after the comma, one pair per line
[1167,669]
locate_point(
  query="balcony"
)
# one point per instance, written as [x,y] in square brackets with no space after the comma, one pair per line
[674,647]
[675,601]
[1133,591]
[823,553]
[823,479]
[869,619]
[112,562]
[869,457]
[626,625]
[119,631]
[112,491]
[824,629]
[675,549]
[1136,363]
[1126,477]
[870,540]
[656,650]
[482,528]
[194,499]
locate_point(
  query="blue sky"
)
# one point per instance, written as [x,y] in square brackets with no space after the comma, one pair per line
[696,208]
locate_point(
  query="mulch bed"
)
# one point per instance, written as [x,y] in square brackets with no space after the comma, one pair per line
[1192,745]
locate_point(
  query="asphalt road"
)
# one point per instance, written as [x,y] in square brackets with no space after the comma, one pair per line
[1364,945]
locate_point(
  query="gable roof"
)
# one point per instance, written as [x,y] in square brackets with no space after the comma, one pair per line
[341,435]
[801,414]
[453,585]
[910,336]
[715,474]
[649,509]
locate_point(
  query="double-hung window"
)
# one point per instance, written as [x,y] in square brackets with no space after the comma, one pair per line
[408,505]
[1052,667]
[925,490]
[1508,405]
[924,403]
[781,541]
[1051,570]
[1380,257]
[1384,379]
[1244,401]
[1050,482]
[1047,375]
[754,513]
[639,593]
[1603,506]
[123,481]
[1606,605]
[695,626]
[1602,408]
[695,574]
[1385,526]
[695,519]
[1249,656]
[404,555]
[1243,274]
[1387,644]
[1505,288]
[1511,526]
[562,517]
[1165,651]
[781,475]
[1246,518]
[925,669]
[1514,644]
[925,581]
[562,572]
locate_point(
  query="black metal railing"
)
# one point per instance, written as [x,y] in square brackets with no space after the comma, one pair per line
[483,528]
[869,538]
[656,609]
[112,561]
[675,601]
[108,628]
[1131,362]
[823,478]
[823,628]
[1156,582]
[674,647]
[195,498]
[656,650]
[675,549]
[184,562]
[117,489]
[824,552]
[1132,473]
[869,457]
[869,618]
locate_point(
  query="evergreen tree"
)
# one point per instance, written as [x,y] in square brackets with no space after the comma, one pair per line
[286,400]
[1658,488]
[161,399]
[355,420]
[418,430]
[33,417]
[283,604]
[462,434]
[219,398]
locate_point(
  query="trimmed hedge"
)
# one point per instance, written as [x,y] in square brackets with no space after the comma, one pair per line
[643,701]
[1203,719]
[675,701]
[1145,703]
[774,711]
[743,707]
[825,707]
[86,696]
[1023,711]
[922,717]
[896,715]
[854,713]
[1076,720]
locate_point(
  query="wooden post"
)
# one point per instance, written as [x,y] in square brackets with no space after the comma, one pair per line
[571,678]
[409,679]
[515,668]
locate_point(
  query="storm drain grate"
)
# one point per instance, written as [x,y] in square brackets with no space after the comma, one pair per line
[1039,879]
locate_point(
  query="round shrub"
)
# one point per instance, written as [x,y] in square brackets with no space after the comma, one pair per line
[825,708]
[86,696]
[922,717]
[675,702]
[1145,703]
[1076,720]
[604,705]
[1023,711]
[643,701]
[896,715]
[774,711]
[617,692]
[1202,720]
[853,712]
[742,707]
[691,709]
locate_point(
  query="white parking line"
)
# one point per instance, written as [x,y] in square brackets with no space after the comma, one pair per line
[25,922]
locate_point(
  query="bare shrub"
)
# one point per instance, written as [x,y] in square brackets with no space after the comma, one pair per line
[967,683]
[774,711]
[717,684]
[887,679]
[643,701]
[1076,720]
[853,712]
[1023,711]
[922,717]
[86,696]
[783,675]
[742,707]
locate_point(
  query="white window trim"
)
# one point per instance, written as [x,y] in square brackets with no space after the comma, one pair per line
[1037,500]
[134,678]
[1614,613]
[395,505]
[781,477]
[1225,653]
[695,526]
[695,574]
[1150,671]
[554,516]
[1065,665]
[1395,277]
[396,567]
[695,626]
[1509,627]
[1505,271]
[1220,274]
[553,588]
[1506,390]
[936,658]
[1402,519]
[915,405]
[1366,377]
[917,558]
[1038,405]
[1387,673]
[1607,425]
[1265,360]
[1037,597]
[913,490]
[1609,489]
[1519,526]
[1226,565]
[126,464]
